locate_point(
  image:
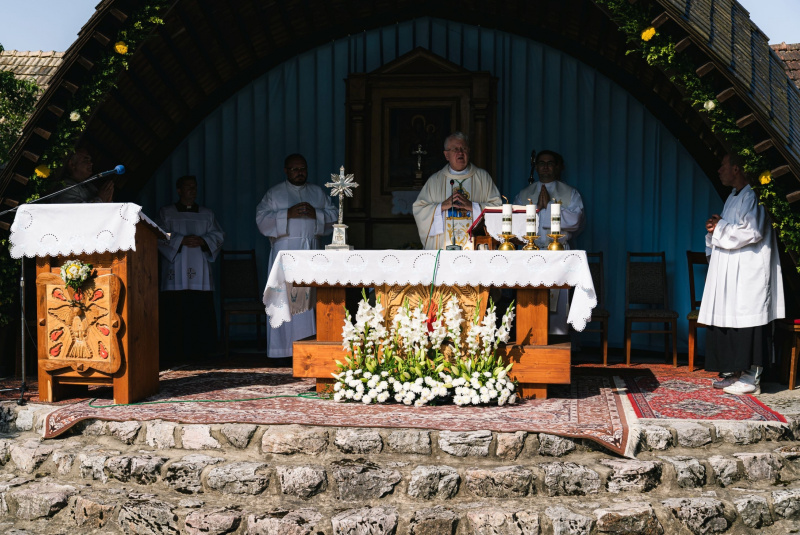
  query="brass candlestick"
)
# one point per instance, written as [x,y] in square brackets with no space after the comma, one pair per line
[555,245]
[531,245]
[506,245]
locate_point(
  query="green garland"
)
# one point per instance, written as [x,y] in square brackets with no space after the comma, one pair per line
[659,50]
[79,109]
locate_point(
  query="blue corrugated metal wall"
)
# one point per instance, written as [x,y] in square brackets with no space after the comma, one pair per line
[642,190]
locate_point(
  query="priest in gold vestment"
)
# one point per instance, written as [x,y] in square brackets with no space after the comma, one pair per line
[453,197]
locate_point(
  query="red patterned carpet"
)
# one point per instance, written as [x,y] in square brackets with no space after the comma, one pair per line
[588,408]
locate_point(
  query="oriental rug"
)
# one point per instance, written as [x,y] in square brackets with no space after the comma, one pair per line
[691,397]
[588,408]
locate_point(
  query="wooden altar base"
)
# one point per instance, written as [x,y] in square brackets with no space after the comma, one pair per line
[536,362]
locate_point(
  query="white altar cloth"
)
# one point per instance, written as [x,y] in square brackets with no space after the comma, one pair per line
[466,268]
[73,229]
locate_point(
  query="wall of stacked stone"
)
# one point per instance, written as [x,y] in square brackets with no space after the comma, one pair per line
[163,477]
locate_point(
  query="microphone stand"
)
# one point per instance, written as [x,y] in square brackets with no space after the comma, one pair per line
[532,177]
[452,246]
[21,401]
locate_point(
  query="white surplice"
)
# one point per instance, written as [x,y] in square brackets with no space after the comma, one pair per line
[288,234]
[571,223]
[188,268]
[743,286]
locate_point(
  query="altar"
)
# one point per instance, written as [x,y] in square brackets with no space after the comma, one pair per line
[533,274]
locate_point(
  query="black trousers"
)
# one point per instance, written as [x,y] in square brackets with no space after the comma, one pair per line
[729,349]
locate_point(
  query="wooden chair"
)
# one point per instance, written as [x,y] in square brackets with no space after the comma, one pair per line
[240,292]
[791,328]
[599,313]
[694,259]
[646,284]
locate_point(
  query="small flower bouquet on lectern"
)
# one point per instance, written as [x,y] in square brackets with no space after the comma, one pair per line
[425,357]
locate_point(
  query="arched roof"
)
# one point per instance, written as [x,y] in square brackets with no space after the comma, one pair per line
[208,49]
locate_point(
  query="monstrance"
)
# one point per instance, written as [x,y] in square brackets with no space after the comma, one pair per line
[342,186]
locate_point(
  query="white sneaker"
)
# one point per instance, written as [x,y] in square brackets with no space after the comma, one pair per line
[740,388]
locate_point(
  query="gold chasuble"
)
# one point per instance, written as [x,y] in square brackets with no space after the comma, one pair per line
[477,186]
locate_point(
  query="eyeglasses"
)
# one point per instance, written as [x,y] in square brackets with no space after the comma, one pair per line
[296,169]
[546,164]
[458,149]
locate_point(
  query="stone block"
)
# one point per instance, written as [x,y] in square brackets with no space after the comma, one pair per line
[631,475]
[495,521]
[555,446]
[92,512]
[7,483]
[739,433]
[409,441]
[239,478]
[433,482]
[160,435]
[656,437]
[148,515]
[292,439]
[754,511]
[302,481]
[689,473]
[463,444]
[433,521]
[184,475]
[93,428]
[5,450]
[700,515]
[125,432]
[509,445]
[213,522]
[726,470]
[565,522]
[359,480]
[64,461]
[503,482]
[761,466]
[198,437]
[362,441]
[692,435]
[28,455]
[296,522]
[38,500]
[239,435]
[366,521]
[92,463]
[787,503]
[569,479]
[146,469]
[631,518]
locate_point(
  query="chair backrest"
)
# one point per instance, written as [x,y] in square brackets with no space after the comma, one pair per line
[695,259]
[239,275]
[598,279]
[646,279]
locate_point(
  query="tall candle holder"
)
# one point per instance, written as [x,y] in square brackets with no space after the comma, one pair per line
[531,239]
[506,245]
[555,245]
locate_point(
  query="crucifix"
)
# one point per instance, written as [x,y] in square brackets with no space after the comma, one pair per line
[342,186]
[418,173]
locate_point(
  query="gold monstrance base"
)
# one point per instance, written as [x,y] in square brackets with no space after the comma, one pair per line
[507,245]
[555,245]
[531,245]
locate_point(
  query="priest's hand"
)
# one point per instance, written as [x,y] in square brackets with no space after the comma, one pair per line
[301,210]
[712,221]
[544,198]
[106,192]
[192,241]
[457,201]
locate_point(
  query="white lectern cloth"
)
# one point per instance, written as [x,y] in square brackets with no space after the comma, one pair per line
[74,229]
[467,268]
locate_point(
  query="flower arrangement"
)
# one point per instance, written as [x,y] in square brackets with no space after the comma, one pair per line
[426,356]
[74,273]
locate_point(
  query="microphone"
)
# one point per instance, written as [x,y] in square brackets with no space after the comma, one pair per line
[118,170]
[453,246]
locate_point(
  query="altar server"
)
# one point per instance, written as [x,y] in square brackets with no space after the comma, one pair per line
[294,215]
[453,197]
[544,192]
[744,288]
[188,319]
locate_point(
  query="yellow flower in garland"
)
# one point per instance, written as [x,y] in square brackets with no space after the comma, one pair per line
[648,33]
[121,47]
[42,171]
[765,178]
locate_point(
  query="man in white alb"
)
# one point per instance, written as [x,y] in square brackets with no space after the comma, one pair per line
[547,190]
[744,288]
[294,215]
[442,209]
[188,324]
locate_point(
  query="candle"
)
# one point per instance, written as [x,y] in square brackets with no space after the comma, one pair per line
[530,219]
[506,219]
[555,218]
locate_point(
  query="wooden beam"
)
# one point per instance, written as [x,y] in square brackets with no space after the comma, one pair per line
[156,105]
[101,38]
[20,178]
[180,59]
[660,20]
[119,15]
[746,120]
[541,364]
[725,94]
[33,157]
[5,226]
[55,110]
[793,197]
[85,62]
[69,86]
[41,132]
[155,64]
[11,203]
[683,44]
[780,171]
[705,69]
[201,51]
[220,36]
[764,145]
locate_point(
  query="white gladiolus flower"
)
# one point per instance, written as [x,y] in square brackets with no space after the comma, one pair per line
[360,388]
[348,394]
[357,396]
[337,387]
[338,396]
[475,400]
